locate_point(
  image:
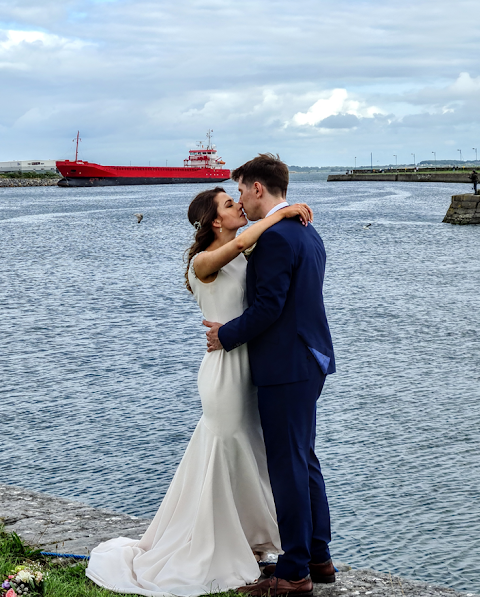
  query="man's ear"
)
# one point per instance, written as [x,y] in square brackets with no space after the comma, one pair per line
[258,189]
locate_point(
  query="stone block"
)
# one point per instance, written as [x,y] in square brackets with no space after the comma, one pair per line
[463,197]
[460,211]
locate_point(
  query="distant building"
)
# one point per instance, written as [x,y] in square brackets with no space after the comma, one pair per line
[29,166]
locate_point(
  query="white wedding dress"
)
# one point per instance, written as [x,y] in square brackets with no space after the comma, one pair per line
[219,508]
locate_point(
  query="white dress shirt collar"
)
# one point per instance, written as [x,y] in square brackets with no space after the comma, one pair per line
[276,208]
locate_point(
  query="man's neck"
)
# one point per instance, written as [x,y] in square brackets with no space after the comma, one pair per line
[268,203]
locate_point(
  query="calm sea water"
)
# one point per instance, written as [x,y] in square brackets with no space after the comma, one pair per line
[100,346]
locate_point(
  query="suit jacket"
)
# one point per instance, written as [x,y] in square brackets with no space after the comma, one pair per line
[285,322]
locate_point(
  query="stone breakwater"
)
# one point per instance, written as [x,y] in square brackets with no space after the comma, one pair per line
[464,209]
[28,182]
[66,526]
[404,177]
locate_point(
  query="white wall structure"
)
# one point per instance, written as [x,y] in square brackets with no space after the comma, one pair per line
[29,166]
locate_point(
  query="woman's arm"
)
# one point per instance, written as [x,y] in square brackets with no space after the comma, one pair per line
[208,263]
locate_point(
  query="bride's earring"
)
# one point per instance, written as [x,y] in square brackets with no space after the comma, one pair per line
[221,229]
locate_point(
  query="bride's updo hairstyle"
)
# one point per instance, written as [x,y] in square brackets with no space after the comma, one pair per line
[201,213]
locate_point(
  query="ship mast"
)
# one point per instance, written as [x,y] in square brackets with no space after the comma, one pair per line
[77,139]
[209,137]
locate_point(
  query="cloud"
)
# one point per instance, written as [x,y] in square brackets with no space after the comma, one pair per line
[465,86]
[337,103]
[339,121]
[312,80]
[13,38]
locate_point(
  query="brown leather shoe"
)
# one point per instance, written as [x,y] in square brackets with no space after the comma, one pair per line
[273,587]
[322,573]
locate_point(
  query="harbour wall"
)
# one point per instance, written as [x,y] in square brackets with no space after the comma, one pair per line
[403,177]
[464,209]
[67,526]
[28,182]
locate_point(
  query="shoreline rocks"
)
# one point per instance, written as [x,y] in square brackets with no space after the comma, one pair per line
[68,526]
[62,525]
[28,182]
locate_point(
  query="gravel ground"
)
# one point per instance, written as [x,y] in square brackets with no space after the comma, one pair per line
[28,182]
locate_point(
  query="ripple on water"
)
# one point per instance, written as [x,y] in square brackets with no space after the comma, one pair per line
[101,347]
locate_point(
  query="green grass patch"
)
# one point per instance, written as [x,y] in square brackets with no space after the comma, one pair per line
[65,578]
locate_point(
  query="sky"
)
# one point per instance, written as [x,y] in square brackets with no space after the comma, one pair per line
[321,83]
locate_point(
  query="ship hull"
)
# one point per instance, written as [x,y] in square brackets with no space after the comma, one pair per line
[140,180]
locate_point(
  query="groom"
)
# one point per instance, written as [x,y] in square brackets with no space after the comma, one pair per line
[290,351]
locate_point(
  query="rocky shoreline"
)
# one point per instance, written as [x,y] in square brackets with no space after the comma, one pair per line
[28,182]
[67,526]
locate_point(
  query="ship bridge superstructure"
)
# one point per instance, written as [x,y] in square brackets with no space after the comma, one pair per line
[204,157]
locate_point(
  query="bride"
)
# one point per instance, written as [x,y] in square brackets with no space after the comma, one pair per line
[218,515]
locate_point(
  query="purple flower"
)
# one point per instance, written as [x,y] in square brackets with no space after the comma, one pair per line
[6,585]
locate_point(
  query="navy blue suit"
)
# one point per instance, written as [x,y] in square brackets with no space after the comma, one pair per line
[290,351]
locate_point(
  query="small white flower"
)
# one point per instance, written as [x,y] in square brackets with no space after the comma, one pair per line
[24,576]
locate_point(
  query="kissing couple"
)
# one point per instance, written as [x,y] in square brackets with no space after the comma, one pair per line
[249,483]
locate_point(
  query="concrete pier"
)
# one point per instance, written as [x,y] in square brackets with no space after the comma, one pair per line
[403,176]
[464,209]
[68,526]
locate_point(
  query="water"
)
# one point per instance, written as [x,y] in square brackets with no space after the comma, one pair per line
[101,346]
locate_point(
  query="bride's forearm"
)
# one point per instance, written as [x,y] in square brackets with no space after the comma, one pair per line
[210,262]
[250,236]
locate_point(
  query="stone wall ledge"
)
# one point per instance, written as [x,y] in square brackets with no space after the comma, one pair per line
[28,182]
[464,209]
[68,526]
[403,177]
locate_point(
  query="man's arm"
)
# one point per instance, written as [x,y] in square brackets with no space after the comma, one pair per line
[273,262]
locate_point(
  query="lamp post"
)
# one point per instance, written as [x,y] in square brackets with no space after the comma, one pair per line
[460,154]
[435,158]
[371,162]
[355,162]
[475,150]
[414,162]
[395,162]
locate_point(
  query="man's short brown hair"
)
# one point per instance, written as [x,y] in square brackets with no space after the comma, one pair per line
[267,169]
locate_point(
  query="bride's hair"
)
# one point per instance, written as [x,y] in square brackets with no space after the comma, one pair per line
[201,213]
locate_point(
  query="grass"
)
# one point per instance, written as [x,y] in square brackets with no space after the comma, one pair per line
[64,579]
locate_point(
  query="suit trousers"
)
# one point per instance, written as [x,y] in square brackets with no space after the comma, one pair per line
[288,417]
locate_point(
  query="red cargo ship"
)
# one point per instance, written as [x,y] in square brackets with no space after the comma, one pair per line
[202,165]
